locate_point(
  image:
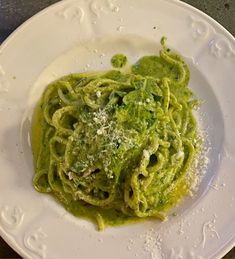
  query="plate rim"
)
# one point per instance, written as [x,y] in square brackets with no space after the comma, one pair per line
[7,238]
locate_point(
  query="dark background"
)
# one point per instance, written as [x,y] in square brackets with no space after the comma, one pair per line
[15,12]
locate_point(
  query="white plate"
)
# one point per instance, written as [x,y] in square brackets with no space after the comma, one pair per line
[74,36]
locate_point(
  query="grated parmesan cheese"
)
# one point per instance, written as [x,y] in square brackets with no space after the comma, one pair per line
[98,94]
[179,155]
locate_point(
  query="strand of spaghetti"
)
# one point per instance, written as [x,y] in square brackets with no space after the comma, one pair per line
[66,94]
[58,116]
[186,118]
[165,55]
[40,181]
[166,94]
[184,169]
[95,201]
[54,150]
[53,178]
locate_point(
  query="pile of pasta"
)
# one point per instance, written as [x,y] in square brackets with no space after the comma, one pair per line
[115,146]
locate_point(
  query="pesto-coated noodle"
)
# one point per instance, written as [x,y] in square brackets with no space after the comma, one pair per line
[115,147]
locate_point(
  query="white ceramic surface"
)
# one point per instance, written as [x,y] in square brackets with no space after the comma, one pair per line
[79,35]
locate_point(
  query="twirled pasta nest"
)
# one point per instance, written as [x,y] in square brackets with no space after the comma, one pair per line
[115,147]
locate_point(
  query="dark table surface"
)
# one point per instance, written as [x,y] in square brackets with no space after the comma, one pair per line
[15,12]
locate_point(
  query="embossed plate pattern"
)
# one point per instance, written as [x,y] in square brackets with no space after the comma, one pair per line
[79,35]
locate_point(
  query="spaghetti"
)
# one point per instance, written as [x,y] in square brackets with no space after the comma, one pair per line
[116,147]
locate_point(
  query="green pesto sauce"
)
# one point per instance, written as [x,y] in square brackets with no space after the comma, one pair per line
[119,60]
[116,147]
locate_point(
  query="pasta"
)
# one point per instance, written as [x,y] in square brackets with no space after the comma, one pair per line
[116,147]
